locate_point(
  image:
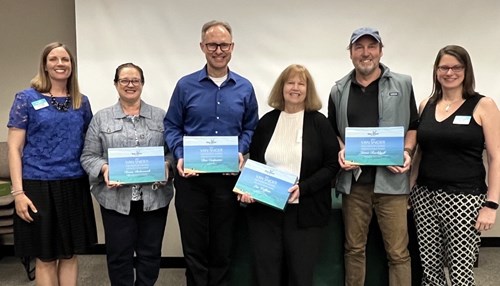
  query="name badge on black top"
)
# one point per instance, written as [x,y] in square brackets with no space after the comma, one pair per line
[462,119]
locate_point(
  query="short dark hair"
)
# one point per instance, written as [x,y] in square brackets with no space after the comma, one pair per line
[128,65]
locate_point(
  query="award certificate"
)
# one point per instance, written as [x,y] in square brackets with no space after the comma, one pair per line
[265,184]
[133,165]
[211,154]
[375,146]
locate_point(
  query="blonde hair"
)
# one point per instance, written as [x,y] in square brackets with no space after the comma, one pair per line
[41,82]
[276,99]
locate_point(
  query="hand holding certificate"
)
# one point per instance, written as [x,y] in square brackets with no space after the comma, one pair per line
[134,165]
[375,146]
[265,184]
[211,154]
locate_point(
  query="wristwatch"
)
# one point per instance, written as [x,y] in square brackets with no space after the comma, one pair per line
[490,204]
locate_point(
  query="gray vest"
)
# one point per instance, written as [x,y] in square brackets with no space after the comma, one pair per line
[395,91]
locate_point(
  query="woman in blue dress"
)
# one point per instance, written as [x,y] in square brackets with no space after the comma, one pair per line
[54,217]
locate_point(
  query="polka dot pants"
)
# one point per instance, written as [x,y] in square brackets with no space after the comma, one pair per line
[446,234]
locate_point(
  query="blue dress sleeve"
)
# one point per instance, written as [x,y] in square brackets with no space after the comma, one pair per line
[18,116]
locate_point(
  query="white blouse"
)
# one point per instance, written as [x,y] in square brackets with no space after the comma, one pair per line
[285,148]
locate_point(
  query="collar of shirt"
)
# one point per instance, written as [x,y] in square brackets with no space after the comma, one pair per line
[203,75]
[146,110]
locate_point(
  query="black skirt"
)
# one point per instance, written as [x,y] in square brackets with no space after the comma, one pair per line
[64,224]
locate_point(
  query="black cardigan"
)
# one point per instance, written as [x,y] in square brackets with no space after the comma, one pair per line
[318,167]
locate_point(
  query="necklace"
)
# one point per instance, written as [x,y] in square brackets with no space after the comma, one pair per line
[60,106]
[448,105]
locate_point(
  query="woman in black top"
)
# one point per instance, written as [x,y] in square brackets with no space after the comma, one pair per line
[452,203]
[297,138]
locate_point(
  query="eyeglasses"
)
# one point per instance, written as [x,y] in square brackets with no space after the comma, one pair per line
[212,47]
[125,82]
[456,69]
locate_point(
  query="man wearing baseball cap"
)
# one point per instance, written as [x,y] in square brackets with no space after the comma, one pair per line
[371,95]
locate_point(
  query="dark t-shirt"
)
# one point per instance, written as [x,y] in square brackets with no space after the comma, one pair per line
[362,111]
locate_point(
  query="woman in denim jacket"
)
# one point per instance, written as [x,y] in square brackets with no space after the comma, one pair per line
[134,215]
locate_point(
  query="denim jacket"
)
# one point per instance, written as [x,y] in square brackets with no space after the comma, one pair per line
[112,128]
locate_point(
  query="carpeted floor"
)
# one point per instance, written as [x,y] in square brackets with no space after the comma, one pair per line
[93,271]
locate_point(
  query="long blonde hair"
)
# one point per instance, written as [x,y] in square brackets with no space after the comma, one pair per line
[41,82]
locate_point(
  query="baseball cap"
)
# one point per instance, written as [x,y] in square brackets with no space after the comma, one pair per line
[365,31]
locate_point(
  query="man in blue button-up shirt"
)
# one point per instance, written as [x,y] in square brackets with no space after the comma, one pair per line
[213,101]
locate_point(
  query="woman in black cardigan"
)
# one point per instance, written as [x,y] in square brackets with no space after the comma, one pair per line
[297,138]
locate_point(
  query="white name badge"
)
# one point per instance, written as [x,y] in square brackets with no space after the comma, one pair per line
[39,104]
[462,119]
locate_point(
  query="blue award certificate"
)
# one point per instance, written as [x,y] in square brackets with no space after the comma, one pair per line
[265,184]
[211,154]
[375,146]
[133,165]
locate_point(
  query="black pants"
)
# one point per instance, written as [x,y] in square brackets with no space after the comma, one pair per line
[206,209]
[283,252]
[140,232]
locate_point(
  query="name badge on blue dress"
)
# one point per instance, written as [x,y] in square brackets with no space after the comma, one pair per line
[39,104]
[462,119]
